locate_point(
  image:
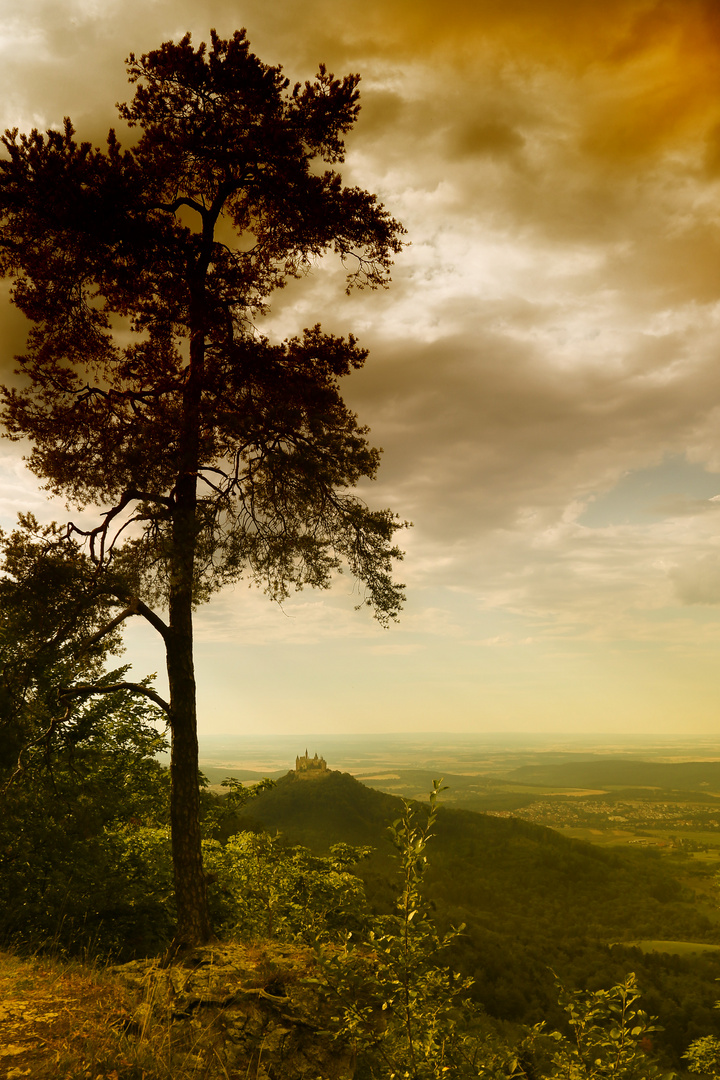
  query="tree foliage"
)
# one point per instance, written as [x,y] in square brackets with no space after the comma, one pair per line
[55,640]
[703,1056]
[268,890]
[144,339]
[147,388]
[71,873]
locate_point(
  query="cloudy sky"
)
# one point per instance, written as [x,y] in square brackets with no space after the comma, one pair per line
[544,374]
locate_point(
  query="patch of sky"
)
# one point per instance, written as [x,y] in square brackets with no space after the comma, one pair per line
[674,488]
[704,615]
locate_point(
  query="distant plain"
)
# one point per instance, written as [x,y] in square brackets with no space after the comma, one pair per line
[663,793]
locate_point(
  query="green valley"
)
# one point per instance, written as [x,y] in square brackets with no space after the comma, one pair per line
[535,903]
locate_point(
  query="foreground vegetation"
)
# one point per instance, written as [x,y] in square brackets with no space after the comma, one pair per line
[386,1002]
[417,959]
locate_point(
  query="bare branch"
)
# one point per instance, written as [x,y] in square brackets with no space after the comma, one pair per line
[135,606]
[107,629]
[149,615]
[101,531]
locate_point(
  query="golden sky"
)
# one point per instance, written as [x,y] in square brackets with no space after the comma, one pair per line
[544,373]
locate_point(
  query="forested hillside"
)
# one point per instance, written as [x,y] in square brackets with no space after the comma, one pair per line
[534,903]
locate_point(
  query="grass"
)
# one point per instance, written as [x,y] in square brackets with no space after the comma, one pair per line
[229,1011]
[69,1021]
[51,1016]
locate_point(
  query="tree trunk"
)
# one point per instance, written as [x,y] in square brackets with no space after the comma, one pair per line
[193,919]
[193,925]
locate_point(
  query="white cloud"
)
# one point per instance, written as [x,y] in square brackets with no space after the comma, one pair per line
[553,328]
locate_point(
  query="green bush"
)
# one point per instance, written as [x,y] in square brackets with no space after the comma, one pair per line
[267,890]
[72,828]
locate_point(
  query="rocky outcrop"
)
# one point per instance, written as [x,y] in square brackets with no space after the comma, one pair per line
[260,1011]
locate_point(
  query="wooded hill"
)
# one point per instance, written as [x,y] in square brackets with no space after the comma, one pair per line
[534,902]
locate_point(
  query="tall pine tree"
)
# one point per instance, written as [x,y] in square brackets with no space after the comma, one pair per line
[147,389]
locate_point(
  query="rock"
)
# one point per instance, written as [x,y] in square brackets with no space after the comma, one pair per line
[261,1011]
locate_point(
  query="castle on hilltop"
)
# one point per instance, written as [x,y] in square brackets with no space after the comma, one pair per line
[310,766]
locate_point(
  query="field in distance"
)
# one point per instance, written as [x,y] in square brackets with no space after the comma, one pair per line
[605,800]
[663,795]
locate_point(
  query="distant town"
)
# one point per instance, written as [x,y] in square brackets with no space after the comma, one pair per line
[622,817]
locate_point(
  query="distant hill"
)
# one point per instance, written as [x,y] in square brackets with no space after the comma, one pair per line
[496,870]
[215,774]
[533,901]
[325,811]
[621,772]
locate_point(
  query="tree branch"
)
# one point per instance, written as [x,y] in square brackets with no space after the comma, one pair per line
[184,201]
[88,690]
[147,613]
[101,531]
[135,607]
[20,766]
